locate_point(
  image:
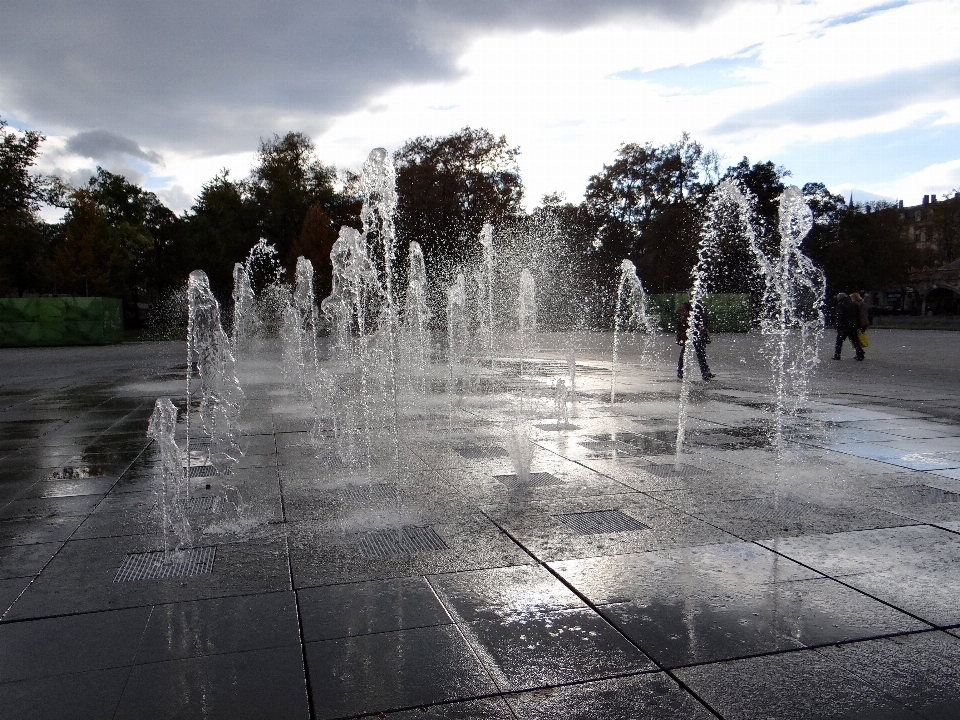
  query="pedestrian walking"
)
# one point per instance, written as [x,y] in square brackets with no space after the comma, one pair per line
[848,323]
[700,336]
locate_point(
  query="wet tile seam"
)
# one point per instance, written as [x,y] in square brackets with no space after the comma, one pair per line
[590,604]
[811,648]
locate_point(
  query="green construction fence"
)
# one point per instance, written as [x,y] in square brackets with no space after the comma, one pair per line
[28,322]
[728,312]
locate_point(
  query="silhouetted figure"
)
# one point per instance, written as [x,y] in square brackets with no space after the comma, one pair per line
[848,322]
[700,337]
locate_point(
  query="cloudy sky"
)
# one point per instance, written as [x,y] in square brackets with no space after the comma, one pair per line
[852,93]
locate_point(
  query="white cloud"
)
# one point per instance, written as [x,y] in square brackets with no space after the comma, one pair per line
[202,83]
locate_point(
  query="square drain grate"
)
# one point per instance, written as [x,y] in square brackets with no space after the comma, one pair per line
[201,505]
[384,492]
[158,565]
[538,479]
[601,521]
[481,452]
[402,541]
[674,470]
[200,471]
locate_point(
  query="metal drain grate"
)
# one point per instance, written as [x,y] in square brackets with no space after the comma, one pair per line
[402,541]
[201,505]
[601,521]
[481,452]
[200,444]
[674,470]
[177,563]
[200,471]
[367,493]
[538,479]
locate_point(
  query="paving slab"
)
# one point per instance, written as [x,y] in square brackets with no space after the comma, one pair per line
[811,574]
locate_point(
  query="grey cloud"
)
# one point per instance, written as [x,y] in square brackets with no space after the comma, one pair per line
[218,74]
[103,144]
[851,99]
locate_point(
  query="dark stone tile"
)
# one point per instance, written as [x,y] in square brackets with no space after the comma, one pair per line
[768,517]
[10,589]
[71,487]
[546,649]
[921,670]
[218,626]
[37,530]
[50,507]
[337,611]
[81,577]
[333,556]
[78,696]
[251,685]
[912,568]
[74,643]
[651,696]
[489,708]
[402,669]
[500,593]
[26,560]
[536,526]
[725,601]
[800,685]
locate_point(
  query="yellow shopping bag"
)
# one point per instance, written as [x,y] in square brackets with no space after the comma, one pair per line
[862,337]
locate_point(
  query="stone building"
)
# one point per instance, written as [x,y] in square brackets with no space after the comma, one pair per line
[934,288]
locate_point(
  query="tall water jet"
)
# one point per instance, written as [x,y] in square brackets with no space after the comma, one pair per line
[378,182]
[728,210]
[245,319]
[485,289]
[354,291]
[793,306]
[457,331]
[209,351]
[172,493]
[527,314]
[301,360]
[416,318]
[630,314]
[519,440]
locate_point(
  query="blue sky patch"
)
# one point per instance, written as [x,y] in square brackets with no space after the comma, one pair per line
[873,159]
[703,77]
[856,17]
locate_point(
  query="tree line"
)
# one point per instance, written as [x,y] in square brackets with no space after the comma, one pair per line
[648,205]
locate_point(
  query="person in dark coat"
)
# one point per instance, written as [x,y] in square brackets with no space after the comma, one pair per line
[700,337]
[848,322]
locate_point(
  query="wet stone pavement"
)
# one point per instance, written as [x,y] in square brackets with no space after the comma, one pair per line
[737,576]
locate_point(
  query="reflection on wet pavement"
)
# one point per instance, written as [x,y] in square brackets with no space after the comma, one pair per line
[800,568]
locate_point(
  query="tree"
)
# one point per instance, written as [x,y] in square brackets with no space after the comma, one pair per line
[764,180]
[286,182]
[647,207]
[23,243]
[220,229]
[448,187]
[315,244]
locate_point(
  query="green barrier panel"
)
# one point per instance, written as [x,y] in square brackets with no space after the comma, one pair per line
[26,322]
[728,312]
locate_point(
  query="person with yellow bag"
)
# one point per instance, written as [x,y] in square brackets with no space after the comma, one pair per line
[848,324]
[864,316]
